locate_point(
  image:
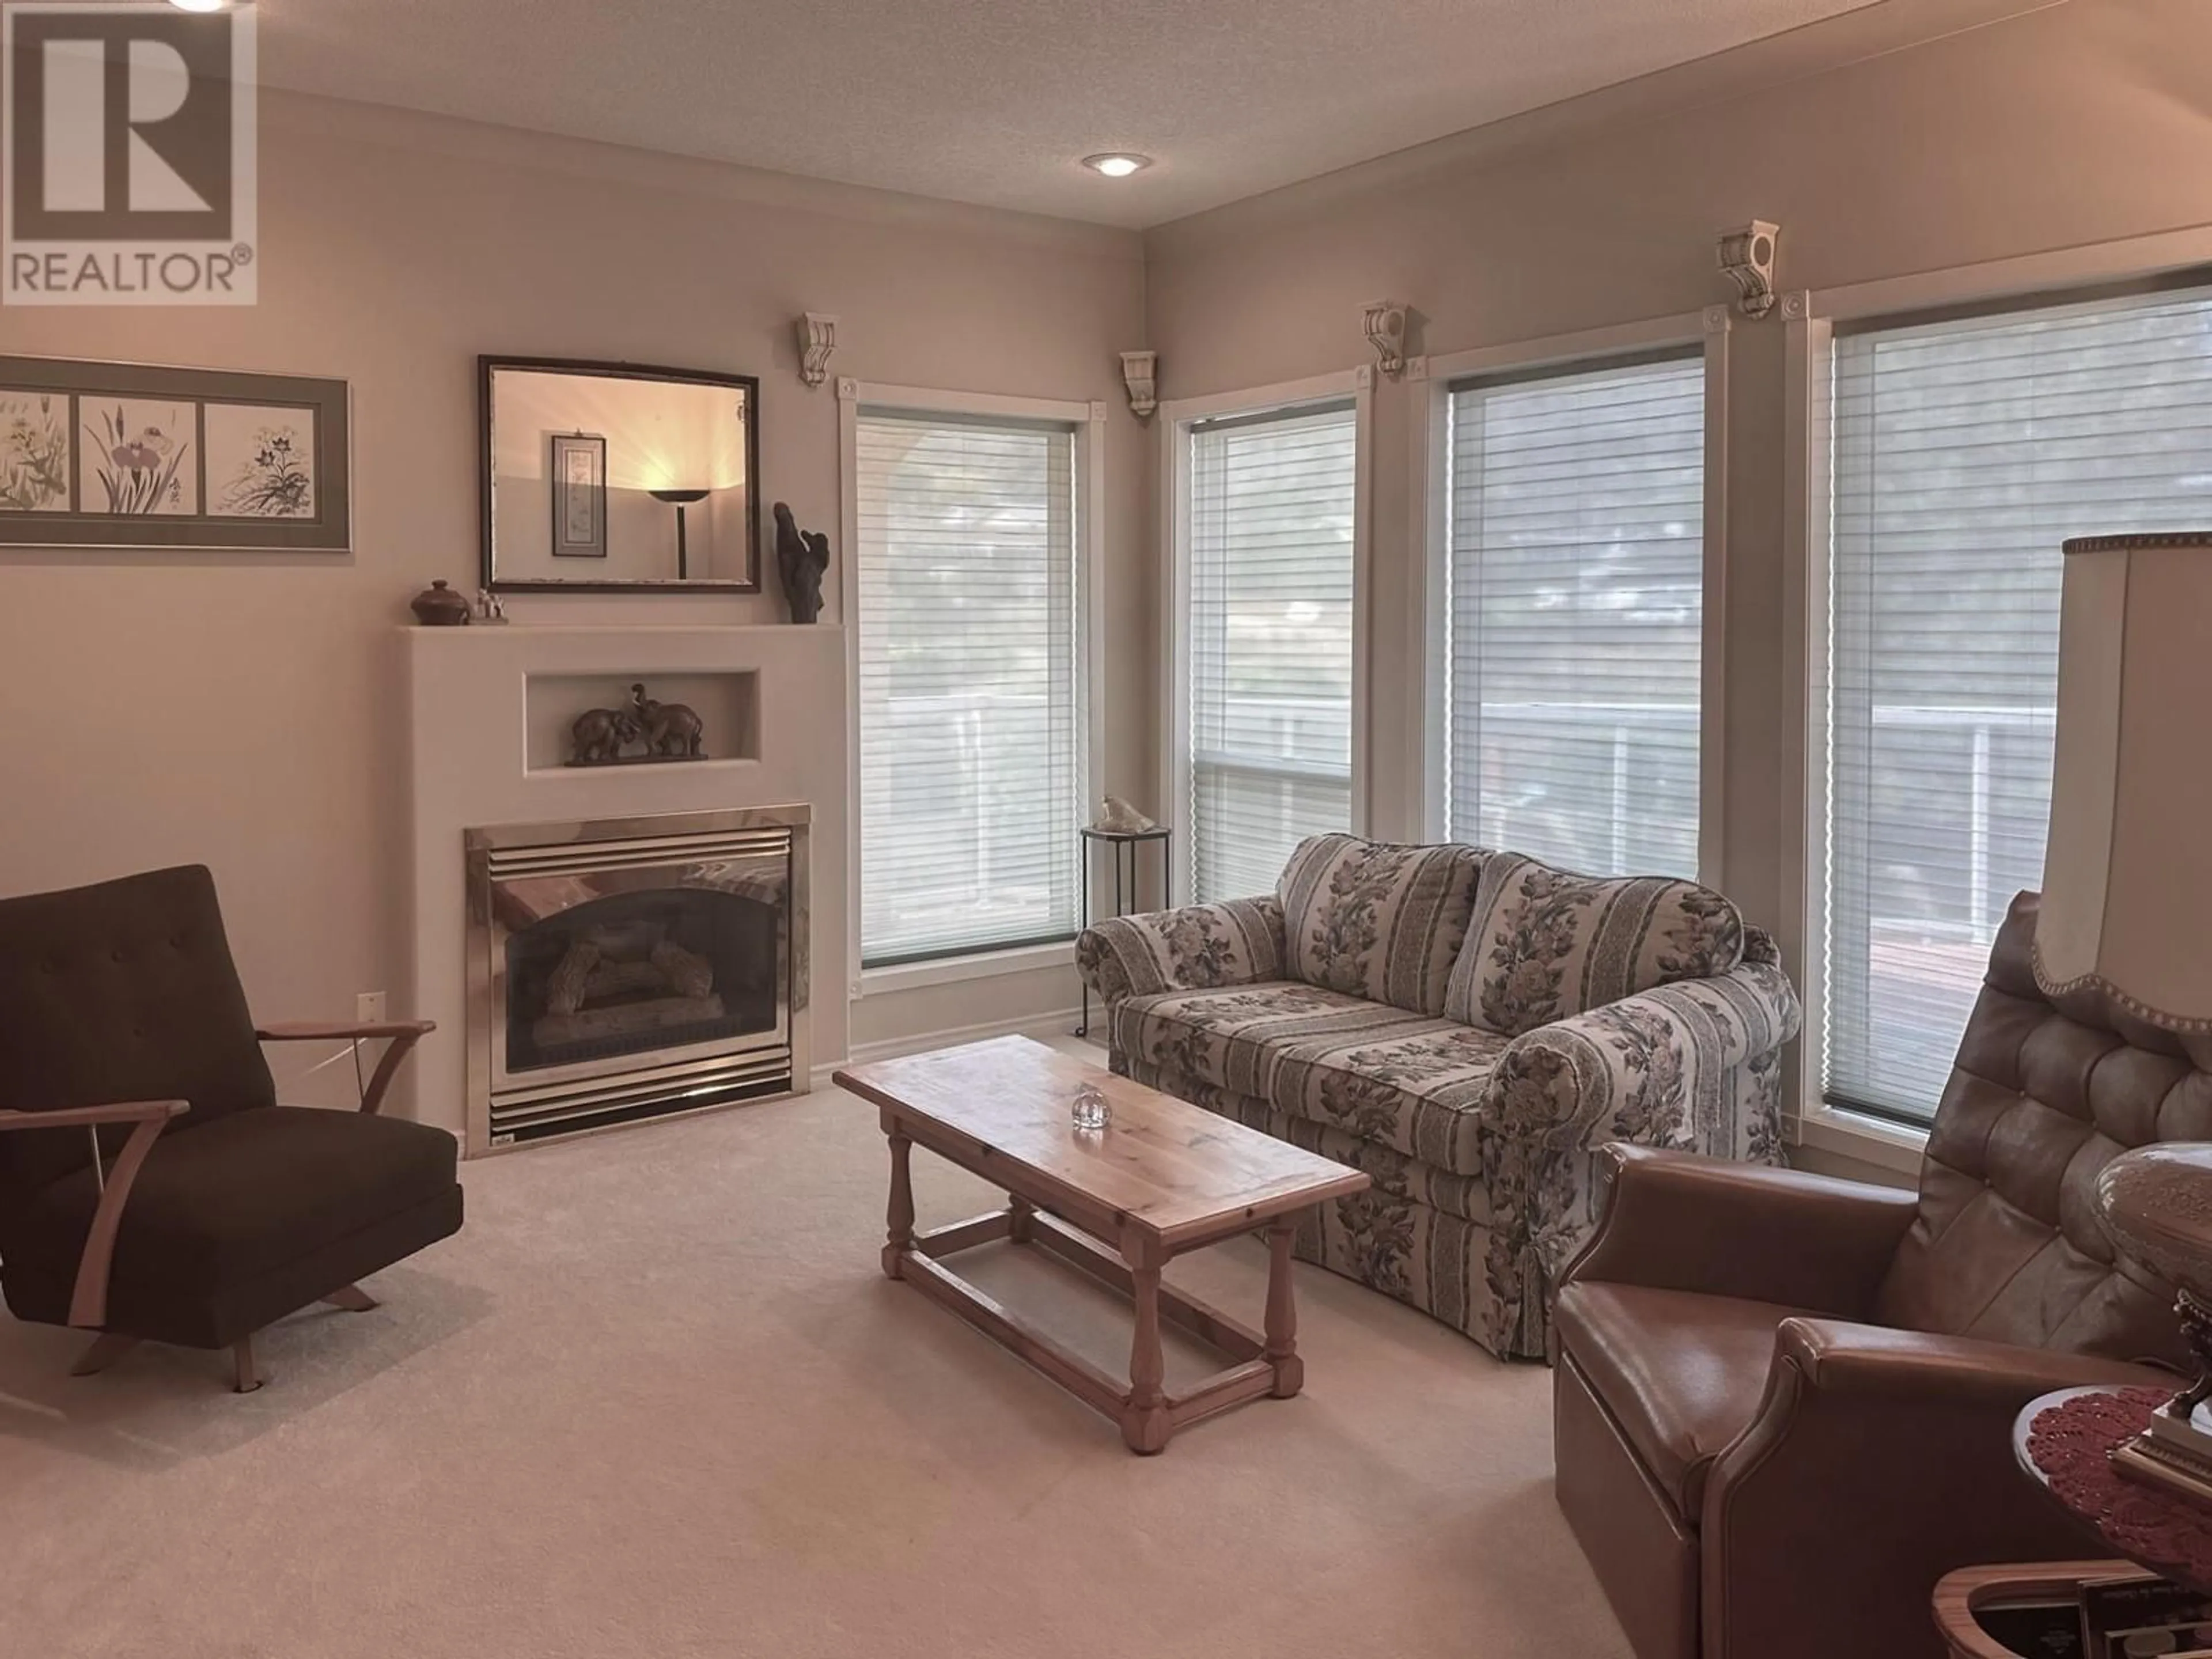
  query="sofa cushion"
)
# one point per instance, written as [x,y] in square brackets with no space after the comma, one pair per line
[1377,920]
[1406,1082]
[1546,943]
[1682,1374]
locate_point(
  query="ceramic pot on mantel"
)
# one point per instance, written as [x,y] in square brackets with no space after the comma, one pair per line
[439,606]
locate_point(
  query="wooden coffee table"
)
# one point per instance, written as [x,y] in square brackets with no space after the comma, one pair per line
[1164,1177]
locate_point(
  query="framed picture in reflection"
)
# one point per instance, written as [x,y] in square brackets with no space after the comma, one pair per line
[579,472]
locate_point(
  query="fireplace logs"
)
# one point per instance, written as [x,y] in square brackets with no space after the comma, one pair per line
[615,981]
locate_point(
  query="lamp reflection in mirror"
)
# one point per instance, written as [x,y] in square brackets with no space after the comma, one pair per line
[2127,887]
[680,499]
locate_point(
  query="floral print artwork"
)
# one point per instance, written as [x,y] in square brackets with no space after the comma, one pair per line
[35,452]
[138,459]
[261,461]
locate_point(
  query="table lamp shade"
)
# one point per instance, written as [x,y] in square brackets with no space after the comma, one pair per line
[2127,874]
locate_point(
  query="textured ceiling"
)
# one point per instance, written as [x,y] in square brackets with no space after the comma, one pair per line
[992,101]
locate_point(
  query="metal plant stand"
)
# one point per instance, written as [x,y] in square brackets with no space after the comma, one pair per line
[1125,843]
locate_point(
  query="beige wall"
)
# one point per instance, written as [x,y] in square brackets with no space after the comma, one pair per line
[2085,122]
[240,711]
[248,712]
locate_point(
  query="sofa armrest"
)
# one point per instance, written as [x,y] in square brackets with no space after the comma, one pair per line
[89,1299]
[1678,1223]
[1878,1461]
[1198,947]
[1639,1069]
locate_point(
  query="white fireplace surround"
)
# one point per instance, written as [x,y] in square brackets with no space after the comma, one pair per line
[471,763]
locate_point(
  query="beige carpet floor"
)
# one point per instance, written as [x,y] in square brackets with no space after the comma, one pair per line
[657,1400]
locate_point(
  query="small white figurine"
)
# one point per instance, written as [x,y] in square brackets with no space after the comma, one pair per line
[1117,815]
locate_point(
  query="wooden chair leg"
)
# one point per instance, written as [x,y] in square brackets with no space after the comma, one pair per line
[106,1349]
[246,1375]
[352,1299]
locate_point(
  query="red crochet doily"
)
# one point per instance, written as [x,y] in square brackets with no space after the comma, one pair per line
[2069,1445]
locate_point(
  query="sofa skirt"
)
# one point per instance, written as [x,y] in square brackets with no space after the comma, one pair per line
[1420,1234]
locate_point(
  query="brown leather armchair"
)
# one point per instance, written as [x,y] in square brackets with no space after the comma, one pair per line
[151,1186]
[1784,1404]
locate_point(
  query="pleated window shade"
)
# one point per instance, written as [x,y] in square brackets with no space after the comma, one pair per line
[1272,500]
[1576,593]
[1964,452]
[970,713]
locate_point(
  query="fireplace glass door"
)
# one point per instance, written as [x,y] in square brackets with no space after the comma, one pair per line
[626,974]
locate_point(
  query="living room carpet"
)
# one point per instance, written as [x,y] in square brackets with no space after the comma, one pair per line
[656,1400]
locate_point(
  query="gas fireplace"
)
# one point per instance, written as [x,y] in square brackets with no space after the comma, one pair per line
[634,968]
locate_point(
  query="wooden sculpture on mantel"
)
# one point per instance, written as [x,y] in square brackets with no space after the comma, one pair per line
[801,557]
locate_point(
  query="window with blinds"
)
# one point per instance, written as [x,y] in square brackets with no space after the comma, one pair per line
[1964,452]
[971,723]
[1269,630]
[1575,581]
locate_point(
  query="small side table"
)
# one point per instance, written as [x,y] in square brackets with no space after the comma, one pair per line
[1125,843]
[2065,1440]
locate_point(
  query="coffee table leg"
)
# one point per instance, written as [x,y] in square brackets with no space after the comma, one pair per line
[898,1234]
[1282,1332]
[1145,1420]
[1018,1212]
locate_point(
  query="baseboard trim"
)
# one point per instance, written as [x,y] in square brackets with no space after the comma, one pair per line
[1059,1023]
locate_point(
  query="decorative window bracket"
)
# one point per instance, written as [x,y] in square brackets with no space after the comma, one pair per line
[1746,258]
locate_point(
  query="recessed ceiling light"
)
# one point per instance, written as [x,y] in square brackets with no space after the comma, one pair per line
[1117,164]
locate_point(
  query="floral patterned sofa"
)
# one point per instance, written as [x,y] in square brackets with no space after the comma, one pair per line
[1468,1027]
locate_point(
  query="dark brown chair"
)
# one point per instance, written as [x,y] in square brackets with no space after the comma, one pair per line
[1783,1405]
[151,1186]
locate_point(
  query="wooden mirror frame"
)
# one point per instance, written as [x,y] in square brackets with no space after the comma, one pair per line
[585,369]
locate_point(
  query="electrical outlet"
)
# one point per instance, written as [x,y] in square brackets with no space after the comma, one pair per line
[368,1007]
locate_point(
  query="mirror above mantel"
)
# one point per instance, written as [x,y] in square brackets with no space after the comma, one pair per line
[617,478]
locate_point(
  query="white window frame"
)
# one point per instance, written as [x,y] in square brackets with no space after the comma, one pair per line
[1176,419]
[1709,330]
[1088,417]
[1808,319]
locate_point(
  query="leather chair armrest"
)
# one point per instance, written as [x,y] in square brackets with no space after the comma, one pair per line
[1878,1461]
[402,1034]
[1873,1361]
[89,1299]
[1673,1221]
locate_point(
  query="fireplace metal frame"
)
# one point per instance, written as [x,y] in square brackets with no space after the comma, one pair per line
[696,849]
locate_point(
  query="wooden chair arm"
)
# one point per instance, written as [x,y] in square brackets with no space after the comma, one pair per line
[338,1031]
[76,1117]
[88,1300]
[403,1034]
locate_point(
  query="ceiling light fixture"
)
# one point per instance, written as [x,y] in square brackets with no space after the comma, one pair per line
[201,5]
[1117,164]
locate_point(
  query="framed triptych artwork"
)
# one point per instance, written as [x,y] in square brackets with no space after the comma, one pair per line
[132,456]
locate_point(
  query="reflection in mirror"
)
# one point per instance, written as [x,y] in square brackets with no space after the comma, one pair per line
[603,476]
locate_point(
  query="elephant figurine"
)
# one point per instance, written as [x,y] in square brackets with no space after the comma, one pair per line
[599,736]
[672,730]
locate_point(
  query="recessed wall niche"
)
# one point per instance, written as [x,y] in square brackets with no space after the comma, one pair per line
[727,702]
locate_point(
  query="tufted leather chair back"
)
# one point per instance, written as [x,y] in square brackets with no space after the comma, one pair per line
[122,991]
[2043,1094]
